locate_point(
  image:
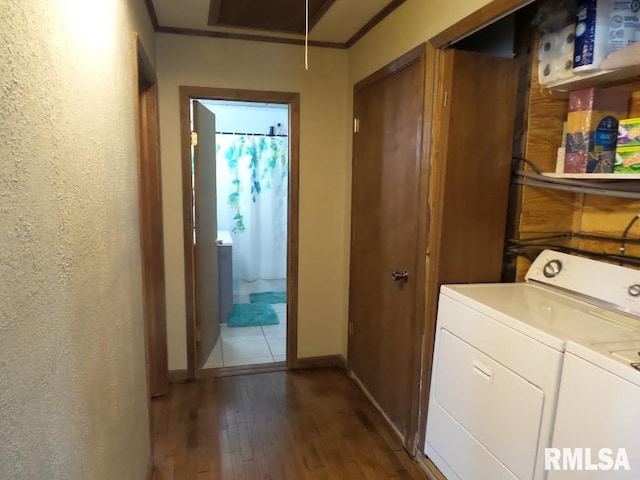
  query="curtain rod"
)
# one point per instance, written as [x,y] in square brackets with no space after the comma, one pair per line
[250,134]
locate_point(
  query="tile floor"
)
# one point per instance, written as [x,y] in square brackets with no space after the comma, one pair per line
[251,345]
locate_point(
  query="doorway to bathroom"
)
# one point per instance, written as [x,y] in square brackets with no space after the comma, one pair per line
[241,245]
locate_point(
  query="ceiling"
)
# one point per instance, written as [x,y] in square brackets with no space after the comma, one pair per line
[335,23]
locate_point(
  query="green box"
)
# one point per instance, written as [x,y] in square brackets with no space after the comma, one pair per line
[627,160]
[629,133]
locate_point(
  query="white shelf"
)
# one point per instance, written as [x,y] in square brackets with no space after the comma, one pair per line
[596,79]
[595,176]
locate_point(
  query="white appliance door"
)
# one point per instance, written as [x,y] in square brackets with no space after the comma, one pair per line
[596,410]
[487,404]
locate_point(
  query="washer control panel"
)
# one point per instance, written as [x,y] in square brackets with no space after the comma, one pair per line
[634,290]
[618,286]
[552,268]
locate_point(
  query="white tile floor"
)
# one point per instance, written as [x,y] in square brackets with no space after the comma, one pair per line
[251,345]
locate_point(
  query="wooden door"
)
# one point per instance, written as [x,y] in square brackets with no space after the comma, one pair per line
[206,233]
[384,239]
[473,154]
[474,114]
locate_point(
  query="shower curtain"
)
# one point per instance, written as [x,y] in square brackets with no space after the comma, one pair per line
[252,184]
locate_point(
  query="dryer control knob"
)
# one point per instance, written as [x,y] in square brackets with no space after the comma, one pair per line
[552,268]
[634,290]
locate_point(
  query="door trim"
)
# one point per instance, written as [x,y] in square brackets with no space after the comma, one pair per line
[293,101]
[150,221]
[416,55]
[491,12]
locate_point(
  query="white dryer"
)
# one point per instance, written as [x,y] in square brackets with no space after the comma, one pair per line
[498,361]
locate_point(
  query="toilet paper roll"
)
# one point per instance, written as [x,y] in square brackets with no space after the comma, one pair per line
[565,69]
[554,70]
[566,39]
[547,73]
[547,47]
[556,51]
[563,64]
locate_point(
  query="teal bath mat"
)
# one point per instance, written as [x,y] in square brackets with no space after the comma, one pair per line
[252,315]
[268,297]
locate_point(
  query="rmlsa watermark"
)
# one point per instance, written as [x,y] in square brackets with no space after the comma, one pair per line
[586,459]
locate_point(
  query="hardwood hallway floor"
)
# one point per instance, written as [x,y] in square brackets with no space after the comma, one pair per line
[312,424]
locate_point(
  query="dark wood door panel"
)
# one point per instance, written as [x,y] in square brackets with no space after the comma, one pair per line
[385,214]
[473,122]
[482,97]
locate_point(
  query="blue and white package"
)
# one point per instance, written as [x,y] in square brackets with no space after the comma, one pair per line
[592,34]
[624,27]
[604,27]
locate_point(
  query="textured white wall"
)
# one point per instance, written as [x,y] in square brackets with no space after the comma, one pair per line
[72,375]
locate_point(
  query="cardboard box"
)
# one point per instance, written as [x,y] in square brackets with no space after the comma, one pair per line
[589,162]
[634,106]
[589,120]
[592,151]
[586,142]
[629,133]
[575,162]
[600,99]
[627,160]
[592,129]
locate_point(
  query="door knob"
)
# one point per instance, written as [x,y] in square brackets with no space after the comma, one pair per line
[397,276]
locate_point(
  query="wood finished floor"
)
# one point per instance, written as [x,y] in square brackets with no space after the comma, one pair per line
[312,424]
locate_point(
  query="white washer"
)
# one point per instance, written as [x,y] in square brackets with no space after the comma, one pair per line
[498,360]
[599,410]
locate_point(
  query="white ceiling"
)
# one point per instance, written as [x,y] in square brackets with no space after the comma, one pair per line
[339,24]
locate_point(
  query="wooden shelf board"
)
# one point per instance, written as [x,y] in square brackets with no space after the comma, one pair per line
[596,79]
[595,176]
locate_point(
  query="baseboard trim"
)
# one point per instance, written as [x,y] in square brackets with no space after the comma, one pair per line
[375,404]
[241,370]
[327,361]
[429,467]
[178,376]
[150,468]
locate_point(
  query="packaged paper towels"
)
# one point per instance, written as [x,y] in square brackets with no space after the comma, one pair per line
[555,55]
[604,27]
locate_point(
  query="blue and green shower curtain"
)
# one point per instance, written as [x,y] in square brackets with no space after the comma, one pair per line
[252,185]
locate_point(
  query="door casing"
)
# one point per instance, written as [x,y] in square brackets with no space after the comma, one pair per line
[188,93]
[150,221]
